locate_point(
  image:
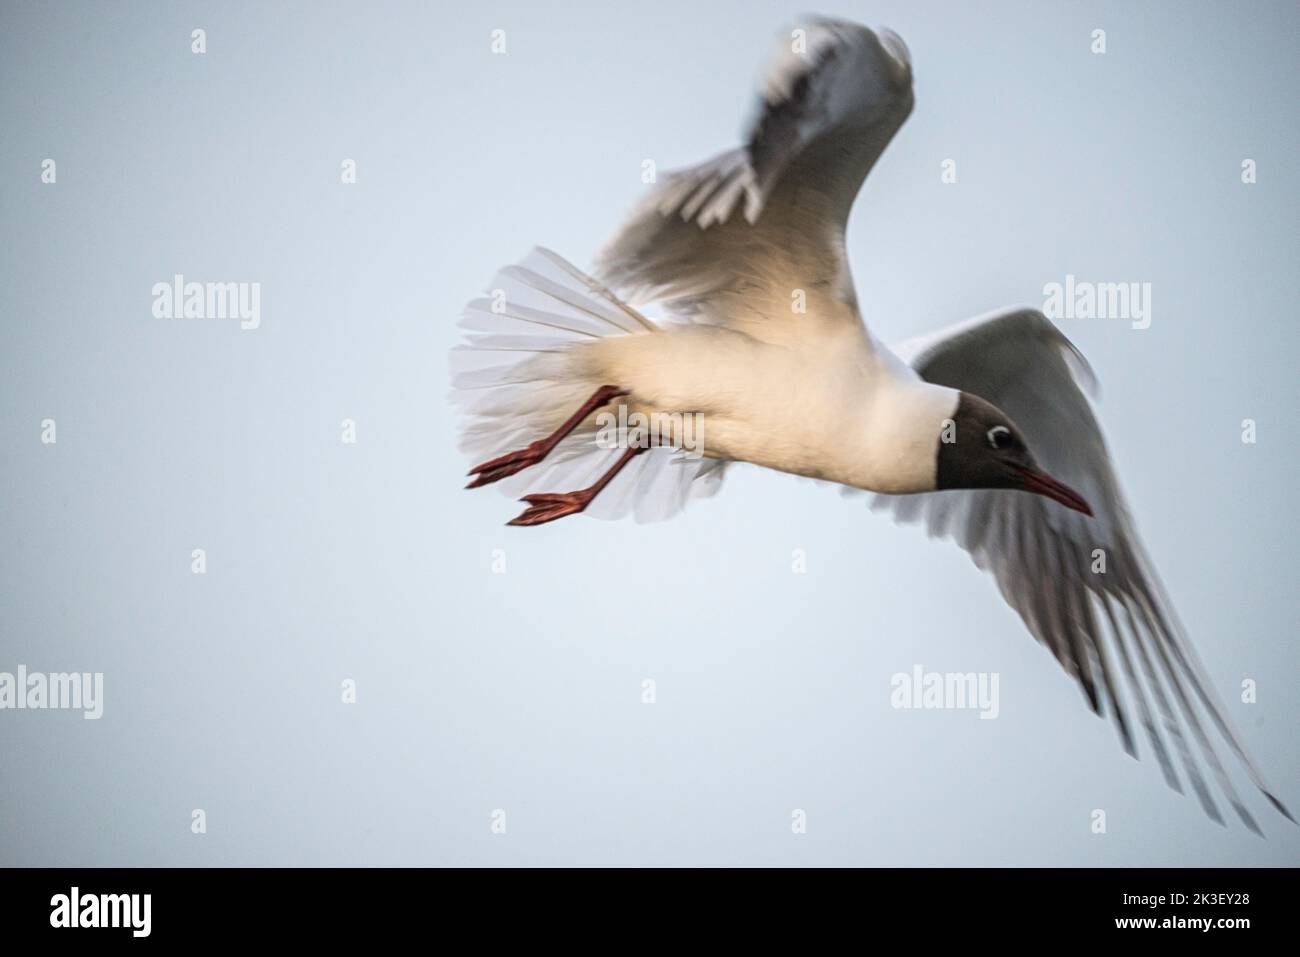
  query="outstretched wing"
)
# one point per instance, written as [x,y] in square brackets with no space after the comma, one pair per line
[1044,557]
[732,239]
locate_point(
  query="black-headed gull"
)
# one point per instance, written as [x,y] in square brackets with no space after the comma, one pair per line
[769,352]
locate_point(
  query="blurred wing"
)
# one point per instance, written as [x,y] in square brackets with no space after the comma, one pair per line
[731,240]
[1042,555]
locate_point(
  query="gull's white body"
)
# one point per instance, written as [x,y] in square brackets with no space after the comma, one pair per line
[767,344]
[859,417]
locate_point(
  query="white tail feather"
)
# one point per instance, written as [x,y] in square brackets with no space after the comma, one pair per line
[515,379]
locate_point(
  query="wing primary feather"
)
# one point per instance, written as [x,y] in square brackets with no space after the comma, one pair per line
[1157,691]
[1061,621]
[1039,624]
[1088,621]
[1144,707]
[1171,718]
[1190,661]
[1161,641]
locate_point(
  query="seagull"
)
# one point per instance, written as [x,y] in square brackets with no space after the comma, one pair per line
[972,432]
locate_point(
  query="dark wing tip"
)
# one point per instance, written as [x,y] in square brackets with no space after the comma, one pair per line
[1247,818]
[1090,692]
[1126,737]
[1280,806]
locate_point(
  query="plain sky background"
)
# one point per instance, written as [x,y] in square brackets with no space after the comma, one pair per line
[522,690]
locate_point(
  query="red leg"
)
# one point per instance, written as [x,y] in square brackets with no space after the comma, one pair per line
[548,506]
[512,462]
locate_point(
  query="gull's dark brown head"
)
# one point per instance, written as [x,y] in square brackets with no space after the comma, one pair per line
[982,448]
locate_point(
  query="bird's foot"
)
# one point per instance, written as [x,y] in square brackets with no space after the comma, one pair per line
[506,465]
[548,506]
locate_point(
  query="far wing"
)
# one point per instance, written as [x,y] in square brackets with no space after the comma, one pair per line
[1042,555]
[730,241]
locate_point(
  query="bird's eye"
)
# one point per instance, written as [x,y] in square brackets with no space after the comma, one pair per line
[999,437]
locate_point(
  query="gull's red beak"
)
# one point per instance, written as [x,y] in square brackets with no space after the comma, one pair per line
[1040,483]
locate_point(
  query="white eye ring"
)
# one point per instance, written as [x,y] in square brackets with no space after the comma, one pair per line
[994,432]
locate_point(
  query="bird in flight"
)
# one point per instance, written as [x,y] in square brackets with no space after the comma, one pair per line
[973,431]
